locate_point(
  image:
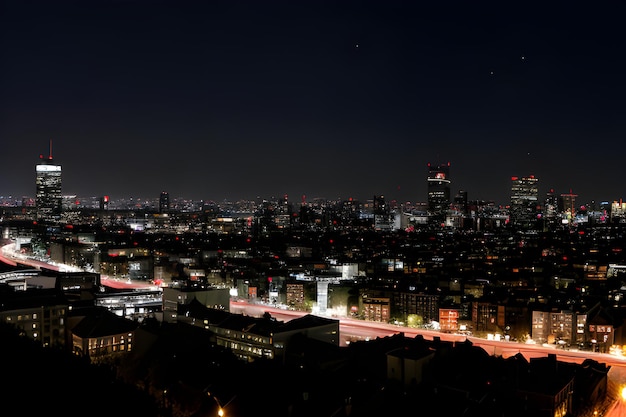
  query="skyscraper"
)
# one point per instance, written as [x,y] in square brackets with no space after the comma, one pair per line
[104,202]
[567,206]
[383,219]
[550,209]
[438,191]
[48,199]
[524,201]
[164,202]
[460,201]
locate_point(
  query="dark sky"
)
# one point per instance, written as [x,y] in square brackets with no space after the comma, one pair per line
[237,99]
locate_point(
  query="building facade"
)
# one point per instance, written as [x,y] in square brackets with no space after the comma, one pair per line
[164,202]
[524,201]
[39,315]
[438,191]
[48,199]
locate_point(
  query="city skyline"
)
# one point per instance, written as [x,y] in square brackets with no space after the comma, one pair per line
[47,163]
[336,100]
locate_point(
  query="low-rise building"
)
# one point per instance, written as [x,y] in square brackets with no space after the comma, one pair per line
[38,314]
[251,338]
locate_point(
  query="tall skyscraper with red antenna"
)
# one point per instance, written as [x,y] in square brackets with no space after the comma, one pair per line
[48,198]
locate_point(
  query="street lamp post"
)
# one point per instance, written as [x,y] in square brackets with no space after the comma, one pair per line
[220,409]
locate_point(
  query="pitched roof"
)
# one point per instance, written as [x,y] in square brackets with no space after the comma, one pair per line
[263,326]
[103,324]
[305,322]
[196,309]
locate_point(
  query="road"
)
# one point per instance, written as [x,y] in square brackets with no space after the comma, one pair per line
[352,329]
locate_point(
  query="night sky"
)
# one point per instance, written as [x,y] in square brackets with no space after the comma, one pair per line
[218,100]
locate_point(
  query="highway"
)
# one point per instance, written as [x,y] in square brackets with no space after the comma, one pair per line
[10,257]
[352,329]
[355,330]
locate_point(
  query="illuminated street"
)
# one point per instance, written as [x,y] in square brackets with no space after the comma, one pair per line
[359,330]
[351,329]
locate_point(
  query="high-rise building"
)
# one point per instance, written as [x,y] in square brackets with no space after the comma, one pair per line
[104,202]
[550,209]
[438,191]
[48,199]
[524,201]
[567,206]
[283,213]
[164,202]
[460,202]
[551,204]
[383,219]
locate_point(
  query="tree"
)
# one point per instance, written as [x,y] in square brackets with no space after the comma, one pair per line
[414,320]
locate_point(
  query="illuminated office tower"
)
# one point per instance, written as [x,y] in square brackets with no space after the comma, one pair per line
[438,191]
[283,211]
[104,202]
[550,209]
[48,199]
[551,205]
[460,202]
[567,206]
[164,202]
[383,219]
[524,201]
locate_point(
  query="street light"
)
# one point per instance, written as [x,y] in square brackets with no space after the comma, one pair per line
[220,409]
